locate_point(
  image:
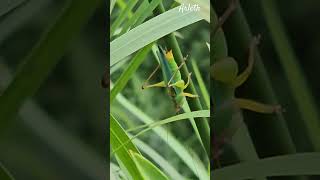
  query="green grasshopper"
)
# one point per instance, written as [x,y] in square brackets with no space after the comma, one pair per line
[226,106]
[171,78]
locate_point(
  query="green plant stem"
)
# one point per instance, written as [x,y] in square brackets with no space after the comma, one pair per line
[37,65]
[295,77]
[203,125]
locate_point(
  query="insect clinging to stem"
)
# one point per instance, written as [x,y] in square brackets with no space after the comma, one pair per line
[225,79]
[171,78]
[226,106]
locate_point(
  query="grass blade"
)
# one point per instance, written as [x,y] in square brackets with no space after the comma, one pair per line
[203,89]
[44,56]
[112,3]
[122,16]
[119,138]
[147,169]
[173,143]
[125,76]
[156,157]
[139,12]
[148,11]
[287,165]
[4,173]
[298,85]
[150,31]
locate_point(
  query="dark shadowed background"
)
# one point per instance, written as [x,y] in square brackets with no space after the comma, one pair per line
[60,132]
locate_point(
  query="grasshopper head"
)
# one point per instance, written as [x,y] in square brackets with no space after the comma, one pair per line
[169,55]
[225,70]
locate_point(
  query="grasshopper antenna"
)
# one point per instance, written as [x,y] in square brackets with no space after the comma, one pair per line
[233,5]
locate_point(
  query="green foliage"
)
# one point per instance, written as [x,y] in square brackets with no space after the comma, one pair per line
[131,106]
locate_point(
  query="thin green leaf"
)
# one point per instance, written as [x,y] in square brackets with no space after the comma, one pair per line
[298,85]
[194,114]
[119,138]
[122,16]
[203,89]
[4,173]
[287,165]
[44,56]
[157,158]
[168,138]
[148,11]
[148,170]
[112,3]
[20,16]
[150,31]
[139,12]
[133,66]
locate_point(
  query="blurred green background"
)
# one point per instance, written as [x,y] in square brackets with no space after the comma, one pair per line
[60,133]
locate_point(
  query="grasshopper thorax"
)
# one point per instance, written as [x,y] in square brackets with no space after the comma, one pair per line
[225,70]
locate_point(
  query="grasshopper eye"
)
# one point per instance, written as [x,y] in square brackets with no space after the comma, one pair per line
[225,70]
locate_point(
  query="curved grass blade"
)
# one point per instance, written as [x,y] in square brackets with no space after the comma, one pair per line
[193,114]
[173,143]
[44,56]
[112,3]
[150,31]
[297,82]
[4,173]
[147,169]
[20,16]
[148,11]
[287,165]
[122,16]
[203,89]
[133,66]
[156,157]
[139,12]
[119,138]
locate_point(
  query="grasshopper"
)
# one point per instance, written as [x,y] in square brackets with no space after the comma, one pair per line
[226,106]
[171,78]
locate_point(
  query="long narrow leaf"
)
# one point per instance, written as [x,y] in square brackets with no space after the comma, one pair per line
[156,157]
[287,165]
[133,66]
[118,138]
[202,86]
[150,31]
[172,142]
[147,169]
[44,56]
[4,173]
[122,16]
